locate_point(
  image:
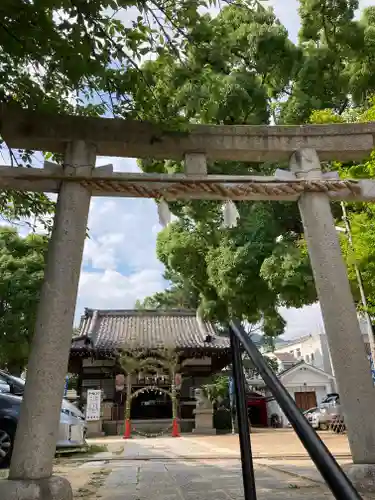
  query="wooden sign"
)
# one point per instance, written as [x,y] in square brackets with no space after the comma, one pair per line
[93,405]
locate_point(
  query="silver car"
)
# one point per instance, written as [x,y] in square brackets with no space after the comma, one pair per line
[310,416]
[329,411]
[72,428]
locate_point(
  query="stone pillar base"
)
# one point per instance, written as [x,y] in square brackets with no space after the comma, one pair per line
[95,429]
[52,488]
[362,476]
[205,431]
[204,421]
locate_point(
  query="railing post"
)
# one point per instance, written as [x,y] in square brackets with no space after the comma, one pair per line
[335,478]
[243,420]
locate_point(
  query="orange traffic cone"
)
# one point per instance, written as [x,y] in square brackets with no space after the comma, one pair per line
[175,429]
[127,430]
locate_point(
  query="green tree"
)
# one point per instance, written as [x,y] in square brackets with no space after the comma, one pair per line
[21,276]
[80,57]
[243,69]
[238,67]
[288,269]
[180,295]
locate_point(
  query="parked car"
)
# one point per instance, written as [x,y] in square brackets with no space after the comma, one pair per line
[326,415]
[310,416]
[329,411]
[72,428]
[331,399]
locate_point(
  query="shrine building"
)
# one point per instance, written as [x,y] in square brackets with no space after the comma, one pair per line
[97,354]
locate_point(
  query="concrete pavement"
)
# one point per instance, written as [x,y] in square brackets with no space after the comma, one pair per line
[192,467]
[203,480]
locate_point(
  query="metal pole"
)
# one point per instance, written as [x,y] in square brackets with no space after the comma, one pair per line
[231,402]
[370,330]
[335,478]
[243,420]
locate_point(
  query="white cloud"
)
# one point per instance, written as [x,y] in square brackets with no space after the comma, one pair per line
[122,233]
[119,259]
[302,321]
[113,290]
[287,12]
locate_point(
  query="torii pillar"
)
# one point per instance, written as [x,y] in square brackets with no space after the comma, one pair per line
[30,476]
[352,369]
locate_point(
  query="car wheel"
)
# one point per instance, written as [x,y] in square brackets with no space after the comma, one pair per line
[6,446]
[323,427]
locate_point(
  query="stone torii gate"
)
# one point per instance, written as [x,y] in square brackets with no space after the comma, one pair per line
[81,140]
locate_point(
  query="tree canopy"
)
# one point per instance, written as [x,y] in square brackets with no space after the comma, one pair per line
[243,69]
[81,57]
[177,62]
[21,276]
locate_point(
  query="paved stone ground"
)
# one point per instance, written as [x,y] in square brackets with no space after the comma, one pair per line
[265,443]
[191,468]
[203,480]
[198,468]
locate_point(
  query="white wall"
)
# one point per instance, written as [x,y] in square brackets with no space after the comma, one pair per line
[313,349]
[302,380]
[317,345]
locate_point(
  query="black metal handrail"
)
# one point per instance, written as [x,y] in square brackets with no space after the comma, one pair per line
[330,470]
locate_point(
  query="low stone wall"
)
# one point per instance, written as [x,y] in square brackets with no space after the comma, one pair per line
[113,428]
[94,429]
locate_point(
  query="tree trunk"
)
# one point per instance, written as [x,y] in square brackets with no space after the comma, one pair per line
[128,397]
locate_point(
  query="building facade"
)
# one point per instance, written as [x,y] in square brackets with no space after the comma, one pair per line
[314,349]
[106,334]
[306,370]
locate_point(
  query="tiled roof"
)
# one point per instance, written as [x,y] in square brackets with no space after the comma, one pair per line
[129,329]
[283,372]
[302,362]
[286,357]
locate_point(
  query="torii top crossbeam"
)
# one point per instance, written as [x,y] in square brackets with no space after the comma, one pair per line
[117,137]
[134,139]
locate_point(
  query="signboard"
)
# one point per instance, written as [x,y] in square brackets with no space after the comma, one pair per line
[97,363]
[93,405]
